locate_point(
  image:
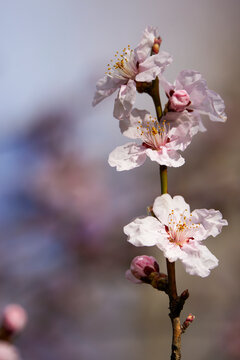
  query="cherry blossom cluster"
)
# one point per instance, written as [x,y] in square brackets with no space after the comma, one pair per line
[172,227]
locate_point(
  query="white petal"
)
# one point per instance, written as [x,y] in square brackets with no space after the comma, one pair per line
[166,157]
[130,123]
[144,48]
[153,66]
[125,100]
[198,260]
[144,232]
[162,206]
[171,251]
[105,87]
[211,220]
[127,157]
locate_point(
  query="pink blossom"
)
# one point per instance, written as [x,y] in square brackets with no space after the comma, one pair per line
[190,93]
[14,318]
[158,142]
[129,67]
[178,233]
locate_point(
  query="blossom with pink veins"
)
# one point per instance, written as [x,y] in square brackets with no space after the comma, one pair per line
[130,67]
[179,233]
[158,141]
[189,93]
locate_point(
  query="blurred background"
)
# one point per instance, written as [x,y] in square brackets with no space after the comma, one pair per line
[63,253]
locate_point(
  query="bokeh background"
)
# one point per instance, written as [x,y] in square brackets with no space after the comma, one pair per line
[63,254]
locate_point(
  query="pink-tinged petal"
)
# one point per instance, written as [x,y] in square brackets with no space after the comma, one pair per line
[189,80]
[132,278]
[129,125]
[181,136]
[167,86]
[217,107]
[144,48]
[211,220]
[198,260]
[105,87]
[166,157]
[125,100]
[127,157]
[193,119]
[145,231]
[153,66]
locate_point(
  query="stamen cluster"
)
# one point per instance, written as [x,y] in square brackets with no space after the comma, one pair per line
[154,135]
[124,66]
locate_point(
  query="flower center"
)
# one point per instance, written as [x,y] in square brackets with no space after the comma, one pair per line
[124,67]
[153,134]
[180,229]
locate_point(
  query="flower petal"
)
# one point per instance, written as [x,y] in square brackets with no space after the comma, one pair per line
[198,260]
[127,157]
[170,250]
[216,107]
[153,66]
[143,50]
[144,232]
[164,204]
[125,100]
[105,87]
[167,86]
[129,125]
[166,157]
[211,220]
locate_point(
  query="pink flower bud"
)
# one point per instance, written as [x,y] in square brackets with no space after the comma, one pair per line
[179,100]
[143,266]
[8,352]
[187,322]
[190,318]
[14,318]
[156,45]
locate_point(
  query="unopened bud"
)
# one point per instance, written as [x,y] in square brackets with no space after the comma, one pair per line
[179,100]
[156,45]
[8,352]
[187,322]
[190,318]
[142,266]
[14,318]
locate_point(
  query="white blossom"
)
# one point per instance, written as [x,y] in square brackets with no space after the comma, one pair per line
[178,233]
